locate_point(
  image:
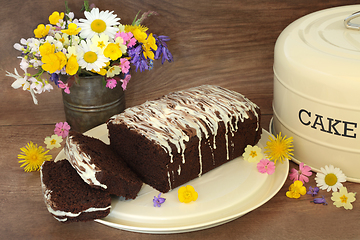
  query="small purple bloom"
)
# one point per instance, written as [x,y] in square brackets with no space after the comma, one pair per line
[313,191]
[162,49]
[158,200]
[55,78]
[320,201]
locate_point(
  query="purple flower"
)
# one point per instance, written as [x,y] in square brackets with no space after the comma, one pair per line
[55,78]
[158,200]
[320,201]
[138,59]
[162,49]
[313,191]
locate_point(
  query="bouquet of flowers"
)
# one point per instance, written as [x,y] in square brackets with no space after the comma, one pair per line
[95,45]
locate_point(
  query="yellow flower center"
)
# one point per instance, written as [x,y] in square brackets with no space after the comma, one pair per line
[331,179]
[343,199]
[101,44]
[253,154]
[98,26]
[187,194]
[53,142]
[90,57]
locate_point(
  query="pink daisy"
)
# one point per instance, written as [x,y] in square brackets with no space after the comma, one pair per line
[302,174]
[62,129]
[266,166]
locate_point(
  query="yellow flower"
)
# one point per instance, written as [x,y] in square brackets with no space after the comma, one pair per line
[53,141]
[149,44]
[343,198]
[46,49]
[252,154]
[72,29]
[55,17]
[112,51]
[62,59]
[72,66]
[139,35]
[41,31]
[33,156]
[279,148]
[51,63]
[296,190]
[187,194]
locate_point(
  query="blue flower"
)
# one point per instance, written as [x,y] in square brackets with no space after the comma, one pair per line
[162,49]
[158,200]
[55,78]
[313,191]
[320,201]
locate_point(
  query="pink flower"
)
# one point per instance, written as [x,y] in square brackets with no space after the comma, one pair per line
[62,129]
[125,65]
[111,83]
[302,174]
[125,81]
[266,166]
[64,86]
[127,37]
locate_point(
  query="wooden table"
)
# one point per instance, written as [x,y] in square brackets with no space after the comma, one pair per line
[227,43]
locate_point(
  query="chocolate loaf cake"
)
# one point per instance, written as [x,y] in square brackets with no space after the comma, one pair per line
[98,165]
[181,136]
[68,198]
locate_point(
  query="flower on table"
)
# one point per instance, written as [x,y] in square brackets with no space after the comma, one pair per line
[302,174]
[252,154]
[266,166]
[313,191]
[158,200]
[53,141]
[330,178]
[279,148]
[321,200]
[187,194]
[343,198]
[62,129]
[33,157]
[296,190]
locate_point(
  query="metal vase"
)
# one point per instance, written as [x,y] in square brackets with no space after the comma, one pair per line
[90,103]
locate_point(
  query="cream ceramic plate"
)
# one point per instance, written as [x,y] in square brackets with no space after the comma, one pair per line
[225,193]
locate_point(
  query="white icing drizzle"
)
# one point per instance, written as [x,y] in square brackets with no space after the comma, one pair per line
[176,117]
[81,162]
[58,214]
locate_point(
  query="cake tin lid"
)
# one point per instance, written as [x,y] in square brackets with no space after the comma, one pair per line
[322,51]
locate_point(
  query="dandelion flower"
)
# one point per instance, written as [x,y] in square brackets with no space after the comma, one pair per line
[187,194]
[330,178]
[279,148]
[53,141]
[97,22]
[296,190]
[252,154]
[343,198]
[33,157]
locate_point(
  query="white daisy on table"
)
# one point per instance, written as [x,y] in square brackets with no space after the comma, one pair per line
[90,58]
[98,22]
[330,178]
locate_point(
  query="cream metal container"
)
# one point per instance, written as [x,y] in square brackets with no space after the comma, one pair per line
[317,89]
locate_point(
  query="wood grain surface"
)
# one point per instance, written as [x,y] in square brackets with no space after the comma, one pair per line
[228,43]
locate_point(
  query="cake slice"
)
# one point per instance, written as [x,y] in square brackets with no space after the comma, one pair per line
[183,135]
[68,198]
[100,167]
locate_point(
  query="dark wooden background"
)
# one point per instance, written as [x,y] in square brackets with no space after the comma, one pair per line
[228,43]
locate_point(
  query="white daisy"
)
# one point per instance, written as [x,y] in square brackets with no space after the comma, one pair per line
[97,22]
[330,178]
[90,58]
